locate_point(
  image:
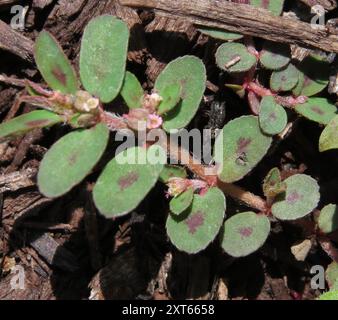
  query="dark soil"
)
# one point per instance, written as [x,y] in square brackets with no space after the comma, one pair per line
[69,251]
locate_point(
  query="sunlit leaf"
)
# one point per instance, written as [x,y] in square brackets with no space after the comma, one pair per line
[329,137]
[27,122]
[127,179]
[244,233]
[103,57]
[239,148]
[272,117]
[300,198]
[54,65]
[71,159]
[328,219]
[284,80]
[181,202]
[319,110]
[194,229]
[132,91]
[171,96]
[190,73]
[234,57]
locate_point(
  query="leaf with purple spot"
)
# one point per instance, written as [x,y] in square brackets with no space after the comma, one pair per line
[132,91]
[27,122]
[194,229]
[181,202]
[244,233]
[300,198]
[127,179]
[328,218]
[329,138]
[319,110]
[71,159]
[54,65]
[220,34]
[103,56]
[272,117]
[234,57]
[275,56]
[284,80]
[240,147]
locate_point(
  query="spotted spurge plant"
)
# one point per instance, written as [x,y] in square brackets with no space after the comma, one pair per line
[197,206]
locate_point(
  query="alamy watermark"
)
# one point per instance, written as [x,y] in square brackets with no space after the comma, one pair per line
[19,12]
[18,278]
[18,20]
[318,279]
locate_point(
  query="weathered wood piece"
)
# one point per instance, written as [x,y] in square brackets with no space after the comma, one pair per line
[15,42]
[244,19]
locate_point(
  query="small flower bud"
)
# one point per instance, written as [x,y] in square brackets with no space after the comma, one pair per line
[154,121]
[151,101]
[84,102]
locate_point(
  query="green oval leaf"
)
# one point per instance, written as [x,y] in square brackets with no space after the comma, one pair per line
[182,201]
[275,56]
[331,274]
[328,219]
[319,110]
[132,91]
[171,96]
[272,117]
[127,179]
[301,198]
[245,233]
[193,230]
[330,295]
[190,73]
[227,55]
[54,65]
[103,56]
[274,6]
[170,171]
[27,122]
[220,34]
[239,148]
[284,80]
[71,159]
[313,77]
[329,137]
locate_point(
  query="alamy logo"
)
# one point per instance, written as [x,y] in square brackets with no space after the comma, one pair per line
[318,280]
[318,20]
[18,20]
[18,278]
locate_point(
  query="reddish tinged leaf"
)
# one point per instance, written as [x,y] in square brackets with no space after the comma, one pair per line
[27,122]
[54,65]
[71,159]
